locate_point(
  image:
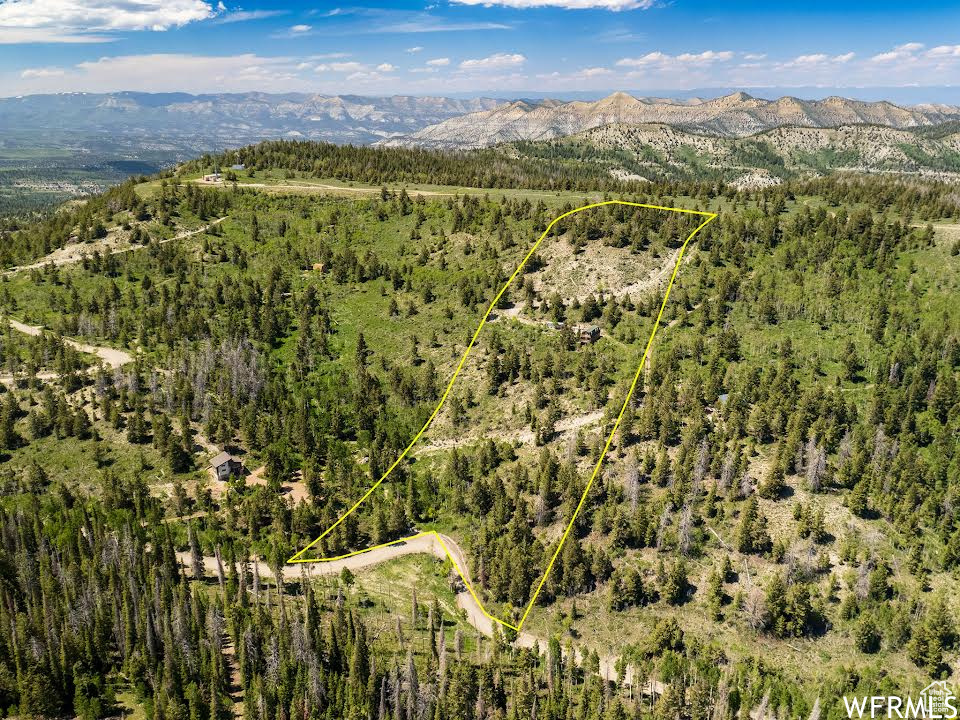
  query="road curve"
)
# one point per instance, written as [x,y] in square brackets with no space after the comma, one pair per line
[427,544]
[110,356]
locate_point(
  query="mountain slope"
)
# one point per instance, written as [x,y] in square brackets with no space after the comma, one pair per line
[735,115]
[660,151]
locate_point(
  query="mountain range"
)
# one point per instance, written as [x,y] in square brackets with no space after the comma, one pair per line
[53,147]
[734,115]
[243,116]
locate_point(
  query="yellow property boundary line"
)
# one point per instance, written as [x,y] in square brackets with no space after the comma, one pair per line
[596,470]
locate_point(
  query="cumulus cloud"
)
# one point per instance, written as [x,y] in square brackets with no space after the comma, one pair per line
[817,60]
[899,53]
[944,51]
[813,59]
[438,62]
[300,29]
[43,72]
[498,61]
[385,67]
[101,15]
[341,67]
[593,72]
[707,57]
[614,5]
[648,59]
[414,50]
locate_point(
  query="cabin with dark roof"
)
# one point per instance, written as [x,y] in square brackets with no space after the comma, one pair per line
[225,465]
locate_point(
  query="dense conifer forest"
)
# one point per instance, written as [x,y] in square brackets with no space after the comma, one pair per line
[776,524]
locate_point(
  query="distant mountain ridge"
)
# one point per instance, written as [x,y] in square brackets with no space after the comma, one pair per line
[53,147]
[734,115]
[246,116]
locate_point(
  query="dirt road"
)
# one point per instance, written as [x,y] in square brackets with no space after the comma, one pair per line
[110,356]
[73,253]
[428,544]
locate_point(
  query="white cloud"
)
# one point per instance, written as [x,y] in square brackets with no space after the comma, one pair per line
[755,56]
[648,59]
[415,50]
[497,61]
[900,52]
[236,16]
[707,57]
[43,72]
[504,72]
[300,29]
[818,60]
[593,72]
[944,51]
[813,59]
[614,5]
[364,77]
[341,67]
[79,16]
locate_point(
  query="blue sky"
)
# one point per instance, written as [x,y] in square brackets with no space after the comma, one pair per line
[471,46]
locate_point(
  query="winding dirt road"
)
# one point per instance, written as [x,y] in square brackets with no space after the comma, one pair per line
[111,356]
[72,253]
[427,545]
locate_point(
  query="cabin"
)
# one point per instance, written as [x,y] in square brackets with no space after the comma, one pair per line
[587,334]
[213,178]
[225,465]
[238,166]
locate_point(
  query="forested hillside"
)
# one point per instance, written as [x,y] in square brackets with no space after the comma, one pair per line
[775,526]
